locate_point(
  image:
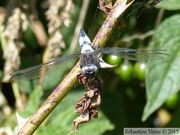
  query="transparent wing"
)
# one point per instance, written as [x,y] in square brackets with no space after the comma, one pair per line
[40,70]
[133,54]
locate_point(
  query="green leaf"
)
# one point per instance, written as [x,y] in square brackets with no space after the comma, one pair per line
[61,121]
[169,4]
[34,102]
[163,76]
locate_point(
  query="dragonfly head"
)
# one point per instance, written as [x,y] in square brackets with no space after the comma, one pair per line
[89,70]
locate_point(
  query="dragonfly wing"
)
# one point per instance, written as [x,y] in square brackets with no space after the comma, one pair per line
[40,70]
[133,54]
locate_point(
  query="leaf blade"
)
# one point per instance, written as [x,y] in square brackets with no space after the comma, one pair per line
[162,78]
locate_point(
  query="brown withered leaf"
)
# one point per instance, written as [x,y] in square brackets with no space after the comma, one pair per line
[105,7]
[88,105]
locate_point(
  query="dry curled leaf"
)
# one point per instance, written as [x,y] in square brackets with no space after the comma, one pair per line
[88,105]
[106,7]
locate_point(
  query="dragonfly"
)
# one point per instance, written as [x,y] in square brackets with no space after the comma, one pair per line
[90,59]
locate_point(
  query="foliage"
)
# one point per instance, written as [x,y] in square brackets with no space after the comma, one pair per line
[167,83]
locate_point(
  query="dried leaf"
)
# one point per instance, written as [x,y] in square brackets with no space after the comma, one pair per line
[88,105]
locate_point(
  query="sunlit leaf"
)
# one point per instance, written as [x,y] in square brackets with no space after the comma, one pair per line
[169,4]
[163,76]
[34,102]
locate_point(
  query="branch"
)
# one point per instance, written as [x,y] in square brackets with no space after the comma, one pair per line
[138,36]
[79,25]
[65,86]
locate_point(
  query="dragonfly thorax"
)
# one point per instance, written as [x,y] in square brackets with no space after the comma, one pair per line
[89,70]
[89,63]
[87,49]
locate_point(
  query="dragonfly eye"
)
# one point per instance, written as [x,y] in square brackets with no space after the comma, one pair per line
[89,70]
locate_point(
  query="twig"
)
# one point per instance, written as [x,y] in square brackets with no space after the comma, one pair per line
[111,22]
[79,25]
[159,18]
[138,36]
[65,86]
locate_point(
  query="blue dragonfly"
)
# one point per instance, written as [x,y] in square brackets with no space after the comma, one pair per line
[90,59]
